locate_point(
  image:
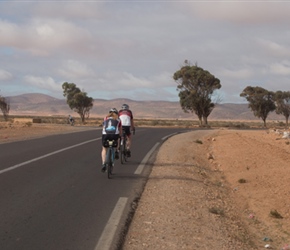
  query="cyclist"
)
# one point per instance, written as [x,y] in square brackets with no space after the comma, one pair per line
[126,117]
[112,129]
[70,119]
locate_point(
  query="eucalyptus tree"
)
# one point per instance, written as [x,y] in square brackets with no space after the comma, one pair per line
[196,87]
[5,107]
[77,100]
[282,101]
[261,101]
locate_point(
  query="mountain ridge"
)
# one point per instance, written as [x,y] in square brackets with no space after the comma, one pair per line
[41,104]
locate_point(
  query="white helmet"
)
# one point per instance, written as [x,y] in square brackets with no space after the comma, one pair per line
[114,110]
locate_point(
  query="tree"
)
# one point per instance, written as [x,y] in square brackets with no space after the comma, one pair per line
[282,101]
[196,87]
[5,107]
[261,101]
[77,100]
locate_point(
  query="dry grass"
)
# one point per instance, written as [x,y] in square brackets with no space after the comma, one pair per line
[190,123]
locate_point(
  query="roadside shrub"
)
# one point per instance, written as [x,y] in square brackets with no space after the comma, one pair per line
[198,141]
[275,214]
[216,210]
[154,122]
[242,180]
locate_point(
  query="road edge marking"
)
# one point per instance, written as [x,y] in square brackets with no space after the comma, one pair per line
[145,159]
[110,229]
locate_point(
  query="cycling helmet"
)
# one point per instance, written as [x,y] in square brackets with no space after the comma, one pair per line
[114,110]
[125,106]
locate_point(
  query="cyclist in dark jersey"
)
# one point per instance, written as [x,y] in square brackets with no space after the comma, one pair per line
[112,129]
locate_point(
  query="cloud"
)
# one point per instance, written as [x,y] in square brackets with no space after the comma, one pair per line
[42,37]
[126,81]
[131,49]
[46,83]
[118,81]
[5,75]
[236,74]
[72,10]
[75,70]
[282,68]
[273,48]
[240,12]
[9,32]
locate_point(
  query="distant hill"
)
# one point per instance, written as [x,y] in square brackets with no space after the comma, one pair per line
[41,104]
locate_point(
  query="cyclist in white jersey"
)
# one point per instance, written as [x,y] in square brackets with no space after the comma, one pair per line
[126,117]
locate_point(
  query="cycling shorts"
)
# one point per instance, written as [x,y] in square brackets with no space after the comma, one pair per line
[109,137]
[127,130]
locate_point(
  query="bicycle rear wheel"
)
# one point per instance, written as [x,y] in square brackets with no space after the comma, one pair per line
[109,162]
[123,152]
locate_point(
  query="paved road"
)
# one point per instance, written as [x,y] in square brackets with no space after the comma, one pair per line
[54,197]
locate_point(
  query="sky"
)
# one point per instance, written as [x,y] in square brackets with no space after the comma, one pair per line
[131,49]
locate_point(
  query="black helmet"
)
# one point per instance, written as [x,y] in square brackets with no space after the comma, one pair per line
[125,106]
[114,110]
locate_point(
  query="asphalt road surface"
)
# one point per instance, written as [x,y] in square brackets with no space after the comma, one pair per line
[54,196]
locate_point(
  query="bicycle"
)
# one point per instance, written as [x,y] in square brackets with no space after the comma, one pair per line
[110,156]
[123,146]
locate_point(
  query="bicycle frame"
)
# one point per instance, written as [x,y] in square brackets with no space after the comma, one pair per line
[110,157]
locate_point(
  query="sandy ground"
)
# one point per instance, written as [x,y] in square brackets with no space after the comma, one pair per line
[215,189]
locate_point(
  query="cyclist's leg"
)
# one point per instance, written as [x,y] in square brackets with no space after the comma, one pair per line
[128,133]
[128,146]
[129,141]
[103,153]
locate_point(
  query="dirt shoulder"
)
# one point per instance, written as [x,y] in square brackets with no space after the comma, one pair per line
[216,195]
[208,189]
[21,131]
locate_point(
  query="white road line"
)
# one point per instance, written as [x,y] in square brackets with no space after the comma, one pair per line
[165,137]
[44,156]
[109,231]
[145,159]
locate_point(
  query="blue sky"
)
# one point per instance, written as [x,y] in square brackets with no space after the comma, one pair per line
[131,49]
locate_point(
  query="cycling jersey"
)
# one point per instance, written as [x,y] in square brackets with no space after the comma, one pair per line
[111,126]
[125,116]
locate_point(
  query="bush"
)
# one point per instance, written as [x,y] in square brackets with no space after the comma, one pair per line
[198,141]
[242,181]
[216,210]
[275,214]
